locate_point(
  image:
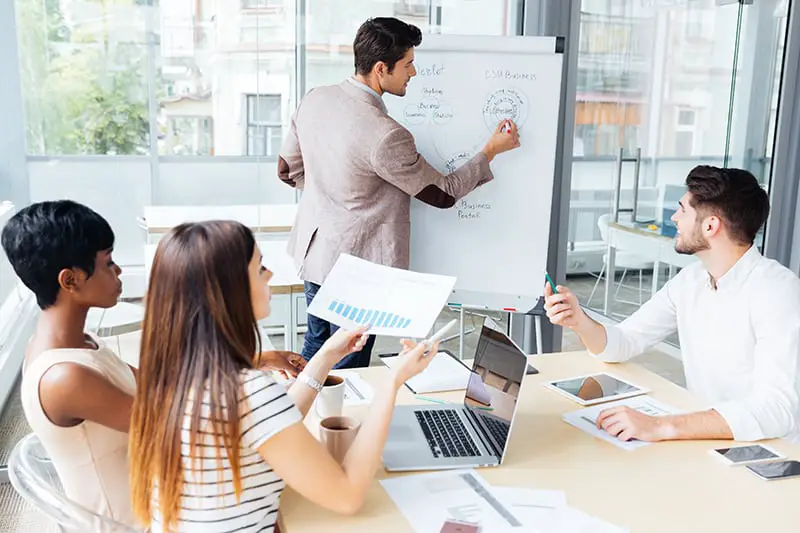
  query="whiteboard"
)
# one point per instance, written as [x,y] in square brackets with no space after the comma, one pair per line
[495,239]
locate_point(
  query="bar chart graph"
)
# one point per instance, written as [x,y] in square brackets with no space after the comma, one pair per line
[374,317]
[391,301]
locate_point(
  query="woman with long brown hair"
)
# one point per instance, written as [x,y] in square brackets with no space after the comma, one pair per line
[213,440]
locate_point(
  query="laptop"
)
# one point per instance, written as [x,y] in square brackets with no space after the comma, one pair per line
[434,437]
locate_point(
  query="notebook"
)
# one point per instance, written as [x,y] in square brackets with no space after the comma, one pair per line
[445,373]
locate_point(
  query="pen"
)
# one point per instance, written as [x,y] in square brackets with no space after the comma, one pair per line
[550,281]
[434,400]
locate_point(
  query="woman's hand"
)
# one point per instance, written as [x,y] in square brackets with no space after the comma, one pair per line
[287,363]
[344,342]
[413,359]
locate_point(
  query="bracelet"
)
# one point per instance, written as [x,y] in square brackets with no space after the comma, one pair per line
[311,382]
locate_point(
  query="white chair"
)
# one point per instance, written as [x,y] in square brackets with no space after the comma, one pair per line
[625,260]
[35,479]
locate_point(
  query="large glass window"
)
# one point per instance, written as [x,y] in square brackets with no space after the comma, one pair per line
[84,76]
[678,84]
[204,77]
[192,97]
[331,26]
[231,65]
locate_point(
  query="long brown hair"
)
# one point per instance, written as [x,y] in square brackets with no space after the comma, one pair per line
[199,332]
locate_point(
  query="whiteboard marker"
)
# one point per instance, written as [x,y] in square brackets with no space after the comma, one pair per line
[436,337]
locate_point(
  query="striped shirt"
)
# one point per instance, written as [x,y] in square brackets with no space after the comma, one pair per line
[208,501]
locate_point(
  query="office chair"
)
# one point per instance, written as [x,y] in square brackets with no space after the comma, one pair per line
[625,260]
[35,479]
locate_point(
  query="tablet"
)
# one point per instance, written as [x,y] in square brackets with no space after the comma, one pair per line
[743,455]
[776,470]
[595,388]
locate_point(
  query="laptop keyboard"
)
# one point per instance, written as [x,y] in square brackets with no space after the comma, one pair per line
[446,434]
[498,428]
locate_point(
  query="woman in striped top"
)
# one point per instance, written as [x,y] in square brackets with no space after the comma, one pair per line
[213,440]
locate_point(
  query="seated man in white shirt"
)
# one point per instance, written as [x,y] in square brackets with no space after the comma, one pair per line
[736,312]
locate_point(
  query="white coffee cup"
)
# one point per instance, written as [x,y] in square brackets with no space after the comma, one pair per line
[330,400]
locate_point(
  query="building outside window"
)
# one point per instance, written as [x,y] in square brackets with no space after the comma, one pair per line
[264,129]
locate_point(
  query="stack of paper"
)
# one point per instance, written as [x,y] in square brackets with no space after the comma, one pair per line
[586,419]
[445,373]
[356,389]
[428,500]
[546,511]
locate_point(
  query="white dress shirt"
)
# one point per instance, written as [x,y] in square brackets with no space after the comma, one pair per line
[369,90]
[740,342]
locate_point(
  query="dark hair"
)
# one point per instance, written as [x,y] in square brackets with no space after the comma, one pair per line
[732,194]
[199,331]
[383,39]
[47,237]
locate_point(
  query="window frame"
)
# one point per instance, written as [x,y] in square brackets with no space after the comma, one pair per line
[266,127]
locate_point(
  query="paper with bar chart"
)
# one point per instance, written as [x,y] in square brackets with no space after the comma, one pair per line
[393,301]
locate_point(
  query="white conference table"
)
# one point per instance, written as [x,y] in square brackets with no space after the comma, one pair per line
[644,242]
[277,218]
[666,487]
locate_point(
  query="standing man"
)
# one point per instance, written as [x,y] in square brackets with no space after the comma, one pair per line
[359,168]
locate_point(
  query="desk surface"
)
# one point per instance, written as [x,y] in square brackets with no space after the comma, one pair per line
[260,218]
[664,487]
[646,243]
[640,229]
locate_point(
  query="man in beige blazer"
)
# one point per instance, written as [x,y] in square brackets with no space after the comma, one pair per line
[359,169]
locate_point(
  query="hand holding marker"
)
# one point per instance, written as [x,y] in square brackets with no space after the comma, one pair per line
[439,334]
[550,281]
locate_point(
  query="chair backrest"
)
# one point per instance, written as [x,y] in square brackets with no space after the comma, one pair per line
[35,479]
[602,225]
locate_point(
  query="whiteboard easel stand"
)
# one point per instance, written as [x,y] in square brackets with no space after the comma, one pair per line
[537,319]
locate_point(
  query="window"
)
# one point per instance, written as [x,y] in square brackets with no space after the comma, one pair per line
[685,126]
[83,69]
[262,4]
[187,135]
[412,8]
[264,130]
[331,26]
[686,117]
[93,71]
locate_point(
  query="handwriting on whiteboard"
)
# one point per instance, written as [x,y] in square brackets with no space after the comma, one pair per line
[466,210]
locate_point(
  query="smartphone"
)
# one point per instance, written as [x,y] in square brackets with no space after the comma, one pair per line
[743,455]
[457,526]
[776,470]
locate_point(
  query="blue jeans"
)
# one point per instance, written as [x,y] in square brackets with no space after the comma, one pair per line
[320,330]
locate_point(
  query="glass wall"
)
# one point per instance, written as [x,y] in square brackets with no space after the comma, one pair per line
[668,85]
[131,103]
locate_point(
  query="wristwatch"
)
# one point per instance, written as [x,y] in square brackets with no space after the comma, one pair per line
[311,382]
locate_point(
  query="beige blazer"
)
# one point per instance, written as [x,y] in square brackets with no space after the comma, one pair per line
[358,169]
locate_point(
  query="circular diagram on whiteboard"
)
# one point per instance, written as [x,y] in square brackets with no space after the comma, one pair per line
[505,104]
[456,160]
[413,115]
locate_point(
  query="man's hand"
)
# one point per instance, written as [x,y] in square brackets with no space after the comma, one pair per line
[504,138]
[562,308]
[627,424]
[288,363]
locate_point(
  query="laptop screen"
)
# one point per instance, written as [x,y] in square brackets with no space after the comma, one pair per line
[495,382]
